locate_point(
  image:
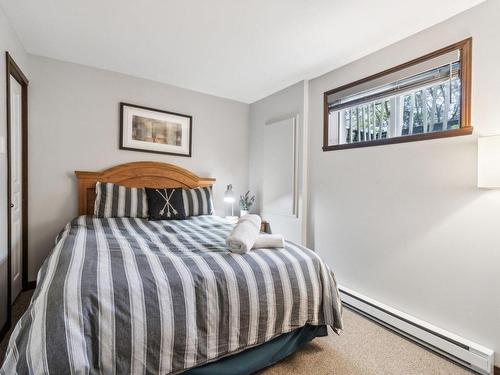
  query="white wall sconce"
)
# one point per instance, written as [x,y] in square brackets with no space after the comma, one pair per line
[488,162]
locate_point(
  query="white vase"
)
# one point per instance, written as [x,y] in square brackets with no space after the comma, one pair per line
[243,212]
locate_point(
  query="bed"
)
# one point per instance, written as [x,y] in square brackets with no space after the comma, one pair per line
[128,295]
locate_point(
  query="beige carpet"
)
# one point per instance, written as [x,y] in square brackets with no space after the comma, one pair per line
[364,348]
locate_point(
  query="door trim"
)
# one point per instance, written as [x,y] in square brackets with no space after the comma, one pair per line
[12,69]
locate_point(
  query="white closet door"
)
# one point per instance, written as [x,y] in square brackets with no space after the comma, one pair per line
[16,187]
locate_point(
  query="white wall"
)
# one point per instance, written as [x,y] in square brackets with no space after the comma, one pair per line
[74,125]
[281,105]
[8,42]
[405,224]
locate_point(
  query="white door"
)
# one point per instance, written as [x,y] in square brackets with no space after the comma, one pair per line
[16,187]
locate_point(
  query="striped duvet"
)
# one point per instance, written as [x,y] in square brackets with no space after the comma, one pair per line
[127,295]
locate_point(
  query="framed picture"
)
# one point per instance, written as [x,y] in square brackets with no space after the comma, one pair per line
[154,130]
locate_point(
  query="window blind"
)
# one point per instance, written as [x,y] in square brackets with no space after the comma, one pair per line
[430,72]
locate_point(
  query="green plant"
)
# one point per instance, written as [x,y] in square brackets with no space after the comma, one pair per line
[247,201]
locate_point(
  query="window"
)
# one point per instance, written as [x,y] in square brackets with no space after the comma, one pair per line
[425,98]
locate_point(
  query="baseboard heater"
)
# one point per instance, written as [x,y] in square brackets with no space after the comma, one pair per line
[456,348]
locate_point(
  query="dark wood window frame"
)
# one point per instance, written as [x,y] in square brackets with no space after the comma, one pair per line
[465,47]
[12,69]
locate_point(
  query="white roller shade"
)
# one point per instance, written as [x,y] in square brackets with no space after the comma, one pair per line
[429,72]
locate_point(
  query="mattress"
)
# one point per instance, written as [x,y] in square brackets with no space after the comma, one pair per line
[128,295]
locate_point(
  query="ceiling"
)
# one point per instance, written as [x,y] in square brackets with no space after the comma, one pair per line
[242,50]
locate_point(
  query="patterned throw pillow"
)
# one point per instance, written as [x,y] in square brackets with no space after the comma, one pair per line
[165,204]
[120,201]
[198,201]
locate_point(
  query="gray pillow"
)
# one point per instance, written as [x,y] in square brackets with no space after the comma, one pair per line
[120,201]
[198,201]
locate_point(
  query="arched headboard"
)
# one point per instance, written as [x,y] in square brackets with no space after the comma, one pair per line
[137,174]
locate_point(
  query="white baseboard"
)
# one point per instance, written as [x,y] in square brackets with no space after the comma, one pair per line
[456,348]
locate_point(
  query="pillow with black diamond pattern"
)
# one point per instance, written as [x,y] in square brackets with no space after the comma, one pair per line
[165,204]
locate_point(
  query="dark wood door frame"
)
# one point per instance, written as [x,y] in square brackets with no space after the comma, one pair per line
[12,69]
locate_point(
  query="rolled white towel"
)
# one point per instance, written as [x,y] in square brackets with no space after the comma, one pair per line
[247,216]
[269,241]
[244,234]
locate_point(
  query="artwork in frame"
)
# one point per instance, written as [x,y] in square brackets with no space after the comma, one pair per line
[153,130]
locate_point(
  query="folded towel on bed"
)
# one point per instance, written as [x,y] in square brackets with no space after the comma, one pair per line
[244,234]
[269,241]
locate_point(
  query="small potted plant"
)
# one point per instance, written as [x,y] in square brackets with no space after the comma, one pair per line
[246,203]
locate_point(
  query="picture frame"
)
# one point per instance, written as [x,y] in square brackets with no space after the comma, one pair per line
[154,130]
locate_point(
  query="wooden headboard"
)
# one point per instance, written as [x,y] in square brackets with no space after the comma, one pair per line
[138,174]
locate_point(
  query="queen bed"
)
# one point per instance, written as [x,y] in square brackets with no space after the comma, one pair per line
[134,296]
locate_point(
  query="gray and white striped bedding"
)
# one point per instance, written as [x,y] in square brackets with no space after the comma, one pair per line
[127,295]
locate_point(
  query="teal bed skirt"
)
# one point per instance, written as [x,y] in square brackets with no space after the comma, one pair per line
[259,357]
